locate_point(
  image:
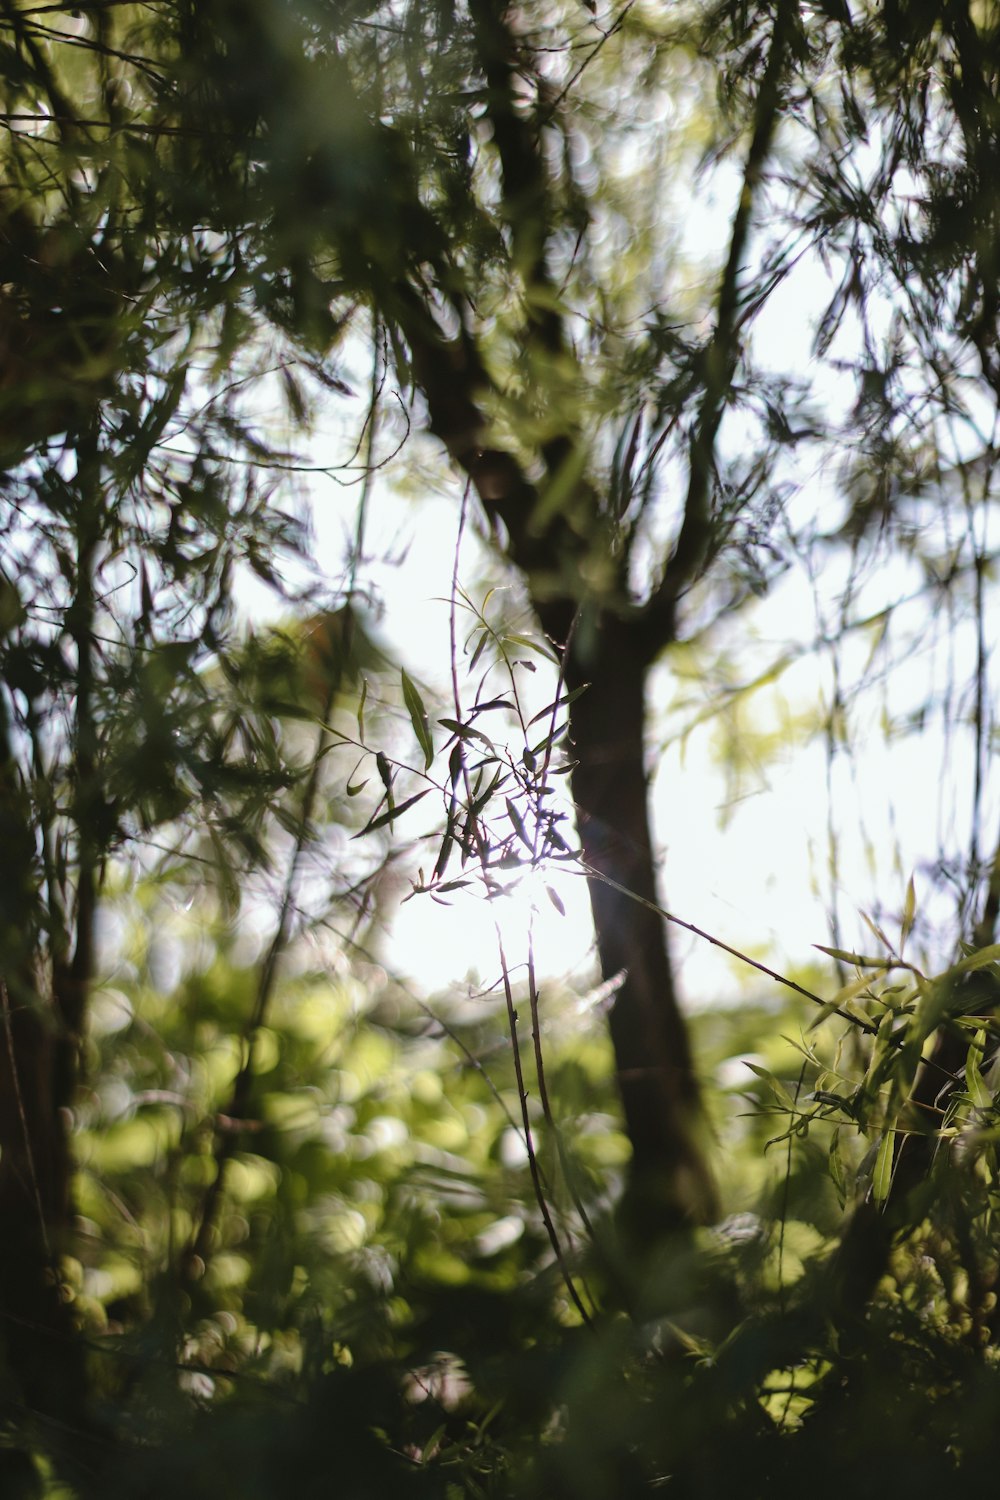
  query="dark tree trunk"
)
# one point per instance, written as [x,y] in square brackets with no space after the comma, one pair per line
[42,1352]
[43,1358]
[43,989]
[670,1181]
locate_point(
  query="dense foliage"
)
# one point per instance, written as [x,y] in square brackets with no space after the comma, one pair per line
[273,1221]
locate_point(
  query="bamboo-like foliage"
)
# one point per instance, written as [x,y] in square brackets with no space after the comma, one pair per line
[201,205]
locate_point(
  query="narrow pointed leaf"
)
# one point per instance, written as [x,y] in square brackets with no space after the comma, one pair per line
[909,911]
[480,648]
[974,1081]
[859,960]
[777,1088]
[466,732]
[418,718]
[361,709]
[492,703]
[979,960]
[563,701]
[882,1171]
[391,814]
[518,822]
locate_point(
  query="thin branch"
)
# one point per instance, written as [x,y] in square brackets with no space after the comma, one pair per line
[226,1138]
[719,361]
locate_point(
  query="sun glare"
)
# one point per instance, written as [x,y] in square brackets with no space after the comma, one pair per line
[444,942]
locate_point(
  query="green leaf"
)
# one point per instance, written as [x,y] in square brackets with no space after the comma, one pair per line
[974,1081]
[418,718]
[777,1088]
[981,959]
[832,1007]
[559,491]
[882,1171]
[530,645]
[859,960]
[909,911]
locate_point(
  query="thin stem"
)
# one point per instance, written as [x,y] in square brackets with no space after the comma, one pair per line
[533,1167]
[226,1139]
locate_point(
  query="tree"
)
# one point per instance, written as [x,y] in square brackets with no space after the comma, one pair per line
[488,262]
[130,713]
[187,217]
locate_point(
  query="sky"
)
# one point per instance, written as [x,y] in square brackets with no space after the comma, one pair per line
[745,853]
[742,785]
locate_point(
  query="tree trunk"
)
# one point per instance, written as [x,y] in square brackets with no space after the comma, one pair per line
[42,1356]
[669,1181]
[42,1352]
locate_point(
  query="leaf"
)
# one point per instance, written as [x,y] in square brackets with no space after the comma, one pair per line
[444,854]
[833,1100]
[859,960]
[480,648]
[560,490]
[978,960]
[909,911]
[849,992]
[418,718]
[530,645]
[481,799]
[556,900]
[777,1088]
[466,732]
[384,770]
[456,760]
[561,702]
[974,1081]
[361,709]
[492,703]
[876,930]
[518,822]
[882,1171]
[354,787]
[391,814]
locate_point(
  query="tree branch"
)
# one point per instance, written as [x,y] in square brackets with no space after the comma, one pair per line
[695,538]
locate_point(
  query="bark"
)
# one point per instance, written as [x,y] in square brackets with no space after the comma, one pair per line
[42,1356]
[45,977]
[670,1181]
